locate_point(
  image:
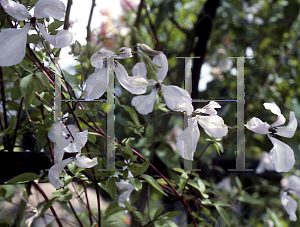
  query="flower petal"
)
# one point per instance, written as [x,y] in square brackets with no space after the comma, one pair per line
[81,138]
[177,99]
[135,85]
[96,84]
[289,130]
[144,103]
[275,110]
[214,125]
[98,58]
[140,70]
[85,162]
[294,185]
[289,204]
[256,125]
[264,164]
[13,45]
[125,52]
[161,61]
[55,171]
[281,156]
[188,139]
[209,108]
[49,8]
[16,10]
[73,148]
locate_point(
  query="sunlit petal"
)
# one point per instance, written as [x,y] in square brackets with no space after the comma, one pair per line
[256,125]
[13,45]
[140,70]
[125,52]
[214,125]
[144,103]
[96,85]
[135,85]
[289,130]
[15,9]
[98,58]
[289,204]
[161,61]
[49,8]
[275,110]
[81,138]
[72,148]
[209,108]
[85,162]
[55,171]
[281,156]
[188,139]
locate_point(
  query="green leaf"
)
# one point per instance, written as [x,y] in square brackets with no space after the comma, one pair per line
[125,174]
[221,204]
[23,178]
[26,86]
[15,93]
[113,208]
[238,183]
[133,115]
[135,183]
[34,38]
[158,211]
[48,204]
[111,187]
[138,169]
[5,222]
[55,25]
[153,182]
[274,217]
[223,214]
[43,78]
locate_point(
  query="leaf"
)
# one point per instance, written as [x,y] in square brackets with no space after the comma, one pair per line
[43,78]
[55,25]
[223,214]
[26,86]
[133,115]
[158,211]
[138,169]
[274,217]
[34,38]
[238,183]
[23,178]
[153,182]
[47,205]
[136,184]
[111,187]
[113,208]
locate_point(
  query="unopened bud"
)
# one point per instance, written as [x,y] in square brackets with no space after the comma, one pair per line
[147,50]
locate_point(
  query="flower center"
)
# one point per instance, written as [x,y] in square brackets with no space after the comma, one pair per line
[272,131]
[32,21]
[157,85]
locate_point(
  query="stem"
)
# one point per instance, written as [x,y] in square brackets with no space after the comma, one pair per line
[67,17]
[17,124]
[6,145]
[79,221]
[87,203]
[88,28]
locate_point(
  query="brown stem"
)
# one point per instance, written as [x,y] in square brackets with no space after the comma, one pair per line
[88,28]
[18,123]
[6,145]
[76,216]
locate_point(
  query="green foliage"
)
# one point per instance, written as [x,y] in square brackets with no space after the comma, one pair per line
[23,178]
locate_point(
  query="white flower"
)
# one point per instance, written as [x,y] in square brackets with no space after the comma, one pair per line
[97,82]
[264,164]
[209,120]
[289,204]
[13,41]
[175,97]
[281,155]
[126,188]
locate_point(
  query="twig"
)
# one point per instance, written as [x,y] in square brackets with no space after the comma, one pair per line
[18,123]
[88,28]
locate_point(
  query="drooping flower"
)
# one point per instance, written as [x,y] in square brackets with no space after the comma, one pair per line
[13,41]
[97,82]
[281,155]
[209,120]
[174,96]
[264,164]
[289,204]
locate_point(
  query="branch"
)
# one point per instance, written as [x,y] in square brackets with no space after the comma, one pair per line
[88,28]
[67,17]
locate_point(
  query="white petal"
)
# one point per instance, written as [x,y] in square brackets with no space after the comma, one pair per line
[162,61]
[13,45]
[85,162]
[209,108]
[264,164]
[294,185]
[98,58]
[140,70]
[125,196]
[256,125]
[176,98]
[81,138]
[144,103]
[281,156]
[125,53]
[49,8]
[275,110]
[289,130]
[289,204]
[16,10]
[214,125]
[96,85]
[55,171]
[135,85]
[72,148]
[188,139]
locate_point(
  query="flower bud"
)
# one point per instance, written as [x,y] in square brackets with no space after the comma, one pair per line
[147,50]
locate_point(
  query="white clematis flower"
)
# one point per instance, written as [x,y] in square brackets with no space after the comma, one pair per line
[289,204]
[281,155]
[175,97]
[13,41]
[97,82]
[209,120]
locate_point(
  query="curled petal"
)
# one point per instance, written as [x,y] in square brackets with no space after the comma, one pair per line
[135,85]
[96,85]
[209,108]
[188,139]
[55,171]
[98,58]
[294,185]
[256,125]
[289,204]
[214,125]
[275,110]
[81,138]
[281,156]
[144,103]
[13,45]
[85,162]
[289,130]
[62,39]
[177,99]
[16,10]
[49,8]
[125,52]
[73,148]
[161,61]
[140,70]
